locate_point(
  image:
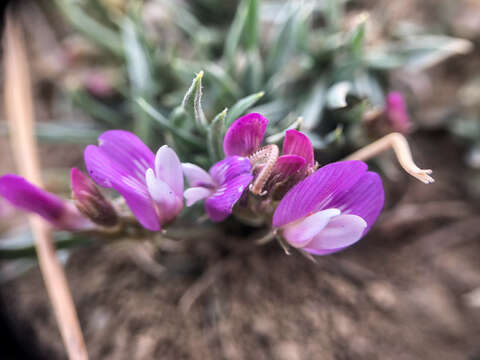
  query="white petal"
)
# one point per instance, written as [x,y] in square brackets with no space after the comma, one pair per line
[301,232]
[169,169]
[341,231]
[196,176]
[168,204]
[194,194]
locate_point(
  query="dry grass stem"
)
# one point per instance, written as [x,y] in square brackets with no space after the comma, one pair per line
[19,107]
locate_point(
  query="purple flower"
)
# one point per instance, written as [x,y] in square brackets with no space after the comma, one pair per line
[26,196]
[222,186]
[151,185]
[330,209]
[245,137]
[90,201]
[397,113]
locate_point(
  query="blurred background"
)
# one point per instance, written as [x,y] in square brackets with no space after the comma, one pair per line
[354,71]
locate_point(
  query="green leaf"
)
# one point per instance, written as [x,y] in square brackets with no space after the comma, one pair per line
[241,106]
[215,137]
[192,103]
[186,136]
[313,108]
[91,28]
[140,76]
[290,38]
[358,39]
[251,25]
[421,52]
[21,245]
[234,35]
[97,109]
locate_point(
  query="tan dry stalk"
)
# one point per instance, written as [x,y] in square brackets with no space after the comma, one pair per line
[399,144]
[19,109]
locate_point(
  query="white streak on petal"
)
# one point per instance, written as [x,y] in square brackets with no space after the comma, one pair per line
[341,231]
[301,232]
[194,194]
[169,169]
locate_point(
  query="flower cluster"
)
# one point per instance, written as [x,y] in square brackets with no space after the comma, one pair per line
[319,210]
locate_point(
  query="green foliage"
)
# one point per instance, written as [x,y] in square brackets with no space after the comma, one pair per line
[284,59]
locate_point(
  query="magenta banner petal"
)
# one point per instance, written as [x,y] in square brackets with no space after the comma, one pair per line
[229,168]
[194,194]
[112,175]
[301,232]
[220,205]
[126,151]
[245,135]
[316,191]
[287,165]
[297,143]
[341,231]
[196,176]
[28,197]
[365,199]
[169,169]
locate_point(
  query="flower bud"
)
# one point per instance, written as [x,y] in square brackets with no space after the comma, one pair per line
[90,201]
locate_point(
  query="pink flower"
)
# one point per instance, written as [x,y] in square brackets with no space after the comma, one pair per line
[331,209]
[222,186]
[152,185]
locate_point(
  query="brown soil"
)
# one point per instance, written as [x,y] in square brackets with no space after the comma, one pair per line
[406,291]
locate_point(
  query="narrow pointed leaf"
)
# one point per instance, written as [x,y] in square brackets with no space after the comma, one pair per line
[241,106]
[192,103]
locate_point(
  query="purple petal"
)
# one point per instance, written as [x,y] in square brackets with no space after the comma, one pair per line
[124,153]
[134,190]
[245,135]
[194,194]
[300,233]
[229,168]
[287,165]
[196,176]
[169,169]
[219,206]
[297,143]
[365,199]
[26,196]
[316,191]
[168,204]
[341,231]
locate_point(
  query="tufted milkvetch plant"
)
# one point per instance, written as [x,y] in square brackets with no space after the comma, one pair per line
[315,208]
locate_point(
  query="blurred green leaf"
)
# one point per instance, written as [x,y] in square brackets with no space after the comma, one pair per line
[423,51]
[251,25]
[313,108]
[215,137]
[97,109]
[21,244]
[163,122]
[70,133]
[241,106]
[232,41]
[91,28]
[140,76]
